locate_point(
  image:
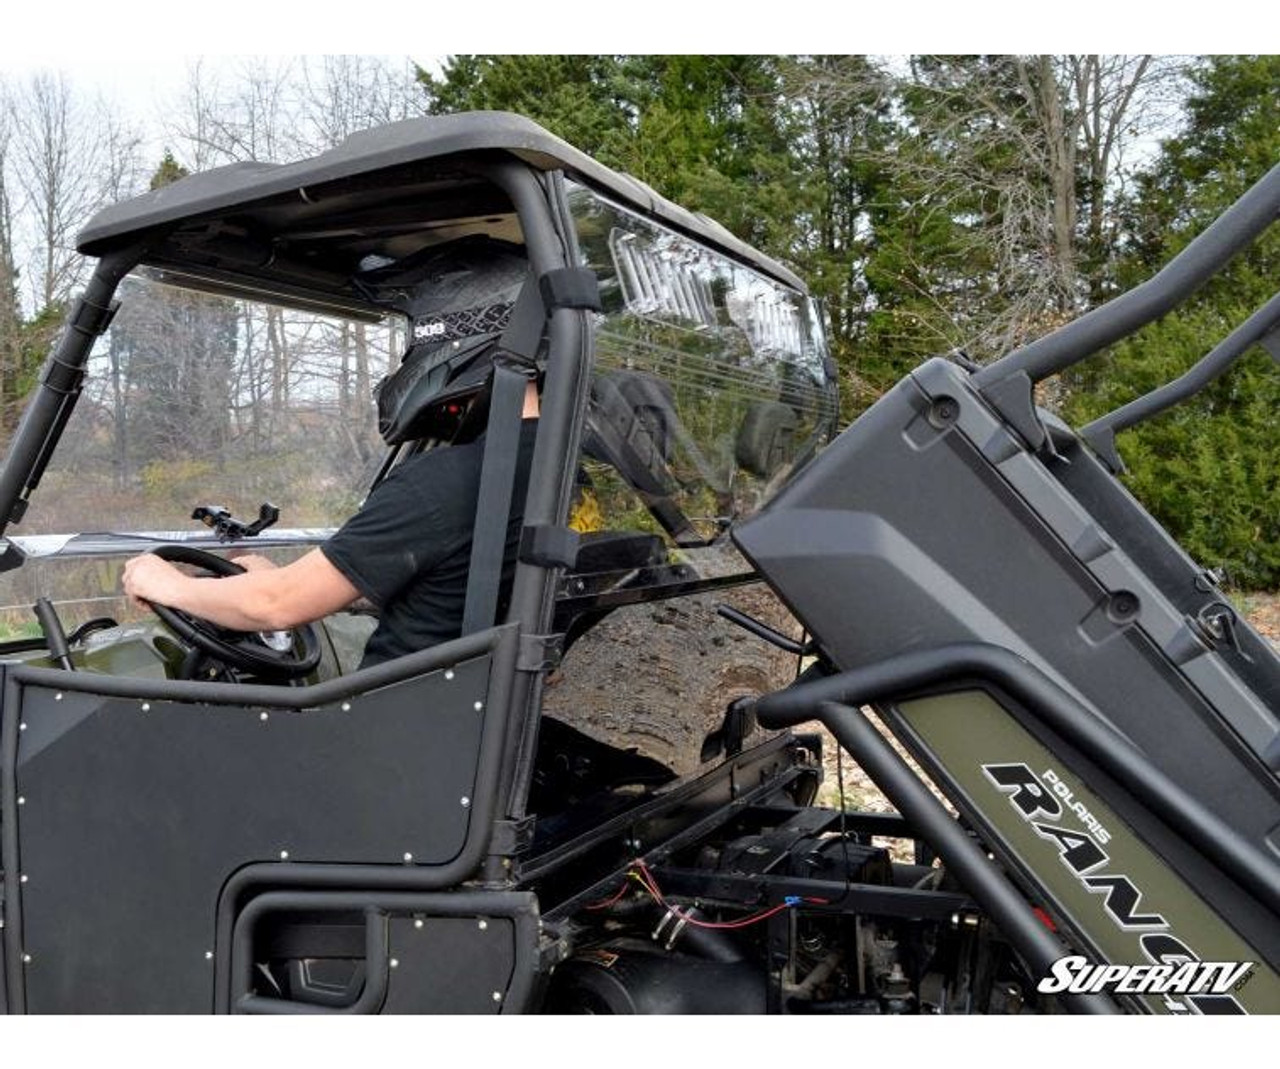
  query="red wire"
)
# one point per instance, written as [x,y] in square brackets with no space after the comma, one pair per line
[651,885]
[609,901]
[742,922]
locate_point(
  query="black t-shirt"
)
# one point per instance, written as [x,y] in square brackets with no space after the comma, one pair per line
[408,549]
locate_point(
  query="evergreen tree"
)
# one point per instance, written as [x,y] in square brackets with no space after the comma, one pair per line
[590,101]
[843,121]
[168,172]
[705,131]
[1209,469]
[985,186]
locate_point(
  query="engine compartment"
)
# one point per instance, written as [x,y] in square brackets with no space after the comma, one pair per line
[774,905]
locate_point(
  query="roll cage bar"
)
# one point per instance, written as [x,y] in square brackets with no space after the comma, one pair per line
[549,249]
[1008,382]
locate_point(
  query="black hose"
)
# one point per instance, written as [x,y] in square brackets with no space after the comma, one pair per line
[54,636]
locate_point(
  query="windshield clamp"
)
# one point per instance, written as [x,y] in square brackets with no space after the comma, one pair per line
[549,546]
[92,319]
[228,528]
[571,287]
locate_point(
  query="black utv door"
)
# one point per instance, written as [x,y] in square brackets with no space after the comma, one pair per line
[142,818]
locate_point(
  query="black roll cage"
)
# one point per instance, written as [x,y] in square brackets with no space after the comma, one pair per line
[550,247]
[1007,383]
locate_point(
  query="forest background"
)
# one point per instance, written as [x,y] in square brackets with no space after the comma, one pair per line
[934,203]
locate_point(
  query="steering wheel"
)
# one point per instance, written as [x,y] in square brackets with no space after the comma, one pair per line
[247,650]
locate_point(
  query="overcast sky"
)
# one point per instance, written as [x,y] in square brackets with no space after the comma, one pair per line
[144,88]
[139,46]
[137,53]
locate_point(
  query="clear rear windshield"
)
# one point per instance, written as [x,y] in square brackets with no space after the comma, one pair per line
[710,386]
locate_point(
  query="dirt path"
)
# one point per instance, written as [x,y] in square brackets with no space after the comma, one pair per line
[657,677]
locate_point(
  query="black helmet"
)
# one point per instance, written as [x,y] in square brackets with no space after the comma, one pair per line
[434,388]
[458,297]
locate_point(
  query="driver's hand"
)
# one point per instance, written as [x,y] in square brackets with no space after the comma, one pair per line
[148,579]
[251,562]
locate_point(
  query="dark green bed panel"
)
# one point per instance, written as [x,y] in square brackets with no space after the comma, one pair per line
[1096,870]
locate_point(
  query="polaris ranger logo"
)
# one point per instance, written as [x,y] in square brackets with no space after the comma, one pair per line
[1074,974]
[1187,984]
[1042,802]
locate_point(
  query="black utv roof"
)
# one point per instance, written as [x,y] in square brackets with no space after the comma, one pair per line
[300,229]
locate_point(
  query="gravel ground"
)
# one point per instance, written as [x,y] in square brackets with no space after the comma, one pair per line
[1263,612]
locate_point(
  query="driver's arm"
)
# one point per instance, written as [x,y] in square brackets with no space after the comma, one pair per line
[266,599]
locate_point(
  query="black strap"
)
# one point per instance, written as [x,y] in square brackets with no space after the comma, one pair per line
[493,503]
[522,336]
[517,355]
[518,350]
[571,287]
[92,320]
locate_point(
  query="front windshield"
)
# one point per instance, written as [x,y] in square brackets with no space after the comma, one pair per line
[190,400]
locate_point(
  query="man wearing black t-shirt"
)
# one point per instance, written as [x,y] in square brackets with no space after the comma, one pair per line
[407,550]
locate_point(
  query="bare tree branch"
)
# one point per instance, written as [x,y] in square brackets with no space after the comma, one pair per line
[71,157]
